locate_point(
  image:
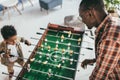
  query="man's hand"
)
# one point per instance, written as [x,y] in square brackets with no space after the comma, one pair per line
[27,43]
[87,62]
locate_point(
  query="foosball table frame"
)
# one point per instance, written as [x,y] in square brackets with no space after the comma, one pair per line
[53,27]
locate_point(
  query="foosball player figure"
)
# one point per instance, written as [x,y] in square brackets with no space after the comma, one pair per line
[47,55]
[71,52]
[46,41]
[55,56]
[62,38]
[41,47]
[57,42]
[28,67]
[63,59]
[69,44]
[63,51]
[33,59]
[59,66]
[40,54]
[45,62]
[69,33]
[56,49]
[49,48]
[71,61]
[79,40]
[49,73]
[12,53]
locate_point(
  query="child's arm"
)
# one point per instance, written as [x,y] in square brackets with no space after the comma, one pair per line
[21,39]
[2,52]
[1,49]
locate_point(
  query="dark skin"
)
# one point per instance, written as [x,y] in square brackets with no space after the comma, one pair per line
[92,18]
[12,41]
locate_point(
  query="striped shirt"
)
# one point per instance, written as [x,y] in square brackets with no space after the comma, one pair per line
[107,49]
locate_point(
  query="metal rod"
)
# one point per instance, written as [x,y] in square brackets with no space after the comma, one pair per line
[59,57]
[52,74]
[59,37]
[43,72]
[46,73]
[71,45]
[74,52]
[57,65]
[63,32]
[14,76]
[33,44]
[49,63]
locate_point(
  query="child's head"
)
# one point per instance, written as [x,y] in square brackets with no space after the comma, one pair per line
[9,33]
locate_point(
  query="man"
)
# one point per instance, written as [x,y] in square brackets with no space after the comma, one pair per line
[10,48]
[107,42]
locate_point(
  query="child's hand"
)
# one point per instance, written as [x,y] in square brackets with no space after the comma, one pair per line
[6,55]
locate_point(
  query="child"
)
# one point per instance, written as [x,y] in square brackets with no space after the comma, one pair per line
[10,48]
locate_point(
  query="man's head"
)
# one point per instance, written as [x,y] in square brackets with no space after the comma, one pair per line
[9,34]
[92,12]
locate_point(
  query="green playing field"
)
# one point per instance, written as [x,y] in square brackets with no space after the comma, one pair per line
[57,58]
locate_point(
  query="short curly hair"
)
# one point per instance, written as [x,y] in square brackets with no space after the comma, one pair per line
[8,31]
[87,4]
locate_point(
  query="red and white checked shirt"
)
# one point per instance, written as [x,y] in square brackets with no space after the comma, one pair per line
[107,46]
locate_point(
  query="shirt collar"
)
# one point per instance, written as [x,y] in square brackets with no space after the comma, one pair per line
[102,25]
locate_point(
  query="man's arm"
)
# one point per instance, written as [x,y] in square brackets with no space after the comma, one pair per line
[109,55]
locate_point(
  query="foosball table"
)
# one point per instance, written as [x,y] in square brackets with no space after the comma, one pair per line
[56,55]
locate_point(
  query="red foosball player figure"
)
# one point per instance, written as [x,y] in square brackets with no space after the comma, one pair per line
[10,48]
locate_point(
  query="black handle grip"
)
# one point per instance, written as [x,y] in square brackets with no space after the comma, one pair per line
[89,36]
[86,34]
[11,55]
[91,33]
[39,33]
[92,38]
[42,28]
[2,52]
[5,73]
[89,48]
[91,64]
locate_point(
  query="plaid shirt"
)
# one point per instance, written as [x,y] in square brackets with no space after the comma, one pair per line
[107,51]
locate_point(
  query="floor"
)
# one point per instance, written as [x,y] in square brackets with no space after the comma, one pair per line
[32,19]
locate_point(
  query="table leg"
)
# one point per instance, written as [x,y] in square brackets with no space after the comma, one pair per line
[8,13]
[17,10]
[22,5]
[14,9]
